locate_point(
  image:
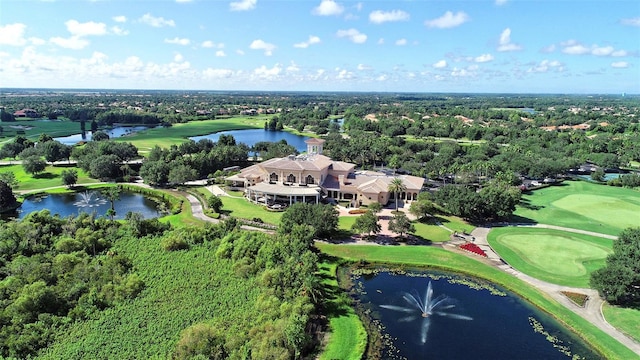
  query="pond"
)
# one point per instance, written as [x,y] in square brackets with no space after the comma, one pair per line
[113,132]
[461,319]
[252,136]
[90,201]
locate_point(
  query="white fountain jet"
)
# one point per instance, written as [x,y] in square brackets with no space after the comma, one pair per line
[426,307]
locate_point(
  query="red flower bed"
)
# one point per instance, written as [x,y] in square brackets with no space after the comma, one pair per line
[473,248]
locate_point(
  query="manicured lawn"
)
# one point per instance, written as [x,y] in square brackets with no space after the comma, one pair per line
[624,319]
[242,208]
[49,178]
[33,128]
[347,338]
[555,256]
[428,256]
[178,133]
[583,205]
[345,222]
[429,230]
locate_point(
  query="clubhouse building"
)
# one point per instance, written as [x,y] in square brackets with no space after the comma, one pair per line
[312,176]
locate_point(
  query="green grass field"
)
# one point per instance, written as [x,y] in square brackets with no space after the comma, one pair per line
[427,256]
[178,133]
[626,320]
[49,178]
[583,205]
[557,257]
[33,128]
[242,208]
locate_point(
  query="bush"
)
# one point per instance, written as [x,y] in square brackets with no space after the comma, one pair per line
[201,341]
[173,243]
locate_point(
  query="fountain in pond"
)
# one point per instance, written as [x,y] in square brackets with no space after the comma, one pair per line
[425,308]
[89,200]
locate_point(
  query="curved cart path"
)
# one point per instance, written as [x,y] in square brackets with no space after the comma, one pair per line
[592,311]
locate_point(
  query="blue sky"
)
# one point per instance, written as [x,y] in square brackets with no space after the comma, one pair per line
[562,46]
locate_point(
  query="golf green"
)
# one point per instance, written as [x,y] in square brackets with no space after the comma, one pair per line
[582,205]
[554,256]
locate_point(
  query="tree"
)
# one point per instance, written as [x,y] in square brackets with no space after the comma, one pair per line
[104,167]
[69,177]
[155,172]
[99,135]
[181,173]
[322,218]
[598,175]
[214,203]
[54,150]
[400,224]
[396,186]
[9,178]
[619,280]
[7,199]
[112,194]
[201,341]
[367,223]
[423,207]
[376,207]
[34,165]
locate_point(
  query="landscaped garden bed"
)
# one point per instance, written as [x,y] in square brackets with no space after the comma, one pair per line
[577,298]
[473,248]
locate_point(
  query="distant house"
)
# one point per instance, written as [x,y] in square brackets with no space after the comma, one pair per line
[26,113]
[312,176]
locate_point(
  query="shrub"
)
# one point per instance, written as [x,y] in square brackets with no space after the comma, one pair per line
[173,243]
[357,211]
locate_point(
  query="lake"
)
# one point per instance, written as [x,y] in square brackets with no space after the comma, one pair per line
[472,323]
[113,132]
[252,136]
[91,201]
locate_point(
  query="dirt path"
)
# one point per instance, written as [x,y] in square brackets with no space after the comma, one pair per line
[592,311]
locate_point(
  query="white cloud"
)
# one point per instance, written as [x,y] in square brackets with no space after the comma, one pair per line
[401,42]
[501,2]
[293,67]
[344,75]
[572,47]
[268,74]
[505,43]
[220,53]
[156,21]
[353,35]
[183,1]
[73,42]
[305,44]
[85,29]
[13,34]
[243,5]
[440,64]
[483,58]
[240,52]
[383,77]
[217,73]
[210,44]
[37,41]
[178,41]
[119,19]
[631,21]
[620,64]
[380,41]
[546,66]
[448,20]
[328,8]
[379,16]
[178,57]
[363,67]
[548,49]
[117,30]
[262,45]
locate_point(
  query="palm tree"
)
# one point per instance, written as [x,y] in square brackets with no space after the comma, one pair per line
[397,186]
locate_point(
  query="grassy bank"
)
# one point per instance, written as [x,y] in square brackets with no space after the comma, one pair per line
[624,319]
[441,259]
[347,338]
[50,177]
[554,256]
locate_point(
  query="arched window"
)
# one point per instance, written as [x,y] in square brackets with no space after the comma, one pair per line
[291,178]
[310,179]
[273,177]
